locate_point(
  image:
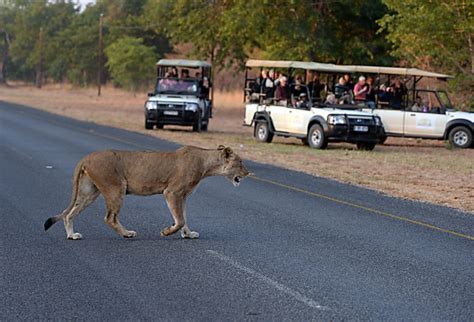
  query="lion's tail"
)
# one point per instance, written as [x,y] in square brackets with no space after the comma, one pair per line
[75,183]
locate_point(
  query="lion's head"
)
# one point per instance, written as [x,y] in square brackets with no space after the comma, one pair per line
[233,168]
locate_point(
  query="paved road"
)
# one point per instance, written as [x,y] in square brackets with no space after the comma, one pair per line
[282,246]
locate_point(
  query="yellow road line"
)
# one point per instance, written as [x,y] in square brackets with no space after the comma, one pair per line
[347,203]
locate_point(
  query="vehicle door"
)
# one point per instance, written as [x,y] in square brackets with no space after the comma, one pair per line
[431,121]
[298,119]
[392,119]
[280,116]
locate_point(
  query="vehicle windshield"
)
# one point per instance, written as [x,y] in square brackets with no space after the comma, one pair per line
[177,86]
[443,96]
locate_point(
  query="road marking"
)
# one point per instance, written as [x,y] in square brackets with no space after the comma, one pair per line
[347,203]
[315,194]
[267,280]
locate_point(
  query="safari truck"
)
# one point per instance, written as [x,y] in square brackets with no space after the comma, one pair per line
[297,114]
[182,95]
[423,113]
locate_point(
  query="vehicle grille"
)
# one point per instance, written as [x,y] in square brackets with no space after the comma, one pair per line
[171,106]
[360,120]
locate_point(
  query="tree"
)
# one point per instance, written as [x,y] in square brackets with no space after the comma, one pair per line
[435,34]
[130,62]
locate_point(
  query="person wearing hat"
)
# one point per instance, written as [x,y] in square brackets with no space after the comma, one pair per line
[360,89]
[302,101]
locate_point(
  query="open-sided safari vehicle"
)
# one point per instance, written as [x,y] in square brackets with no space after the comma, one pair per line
[287,107]
[182,95]
[417,112]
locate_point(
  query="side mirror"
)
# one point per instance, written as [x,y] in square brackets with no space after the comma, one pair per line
[151,94]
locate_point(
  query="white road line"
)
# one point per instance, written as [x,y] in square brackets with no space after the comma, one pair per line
[282,288]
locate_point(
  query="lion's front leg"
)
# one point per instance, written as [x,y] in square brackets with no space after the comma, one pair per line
[185,231]
[175,203]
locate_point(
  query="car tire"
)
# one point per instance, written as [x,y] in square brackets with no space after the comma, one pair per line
[365,146]
[159,126]
[148,125]
[316,137]
[197,123]
[460,137]
[263,133]
[204,127]
[382,139]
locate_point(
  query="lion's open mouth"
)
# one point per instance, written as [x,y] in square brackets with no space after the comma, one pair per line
[236,180]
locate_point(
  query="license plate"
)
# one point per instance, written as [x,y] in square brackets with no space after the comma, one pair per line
[174,113]
[359,128]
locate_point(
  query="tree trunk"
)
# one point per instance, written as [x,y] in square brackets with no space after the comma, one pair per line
[4,57]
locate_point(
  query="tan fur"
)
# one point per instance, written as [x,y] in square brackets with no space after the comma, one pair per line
[173,174]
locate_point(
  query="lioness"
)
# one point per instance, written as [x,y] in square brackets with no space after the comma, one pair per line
[174,174]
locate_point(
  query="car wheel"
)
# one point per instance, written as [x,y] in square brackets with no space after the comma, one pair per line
[197,122]
[460,137]
[316,137]
[365,146]
[263,133]
[148,125]
[382,139]
[204,127]
[159,126]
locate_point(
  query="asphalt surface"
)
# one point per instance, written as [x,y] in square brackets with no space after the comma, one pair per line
[295,248]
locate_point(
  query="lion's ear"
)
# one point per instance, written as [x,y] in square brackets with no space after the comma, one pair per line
[221,147]
[227,153]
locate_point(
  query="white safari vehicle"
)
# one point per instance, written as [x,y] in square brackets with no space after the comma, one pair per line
[316,124]
[182,95]
[423,113]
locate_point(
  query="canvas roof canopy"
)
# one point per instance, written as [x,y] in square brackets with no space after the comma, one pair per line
[183,63]
[298,65]
[396,71]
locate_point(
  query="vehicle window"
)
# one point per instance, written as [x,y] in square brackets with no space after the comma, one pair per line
[427,102]
[177,86]
[443,96]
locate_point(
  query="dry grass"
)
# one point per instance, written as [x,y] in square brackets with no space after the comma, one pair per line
[415,169]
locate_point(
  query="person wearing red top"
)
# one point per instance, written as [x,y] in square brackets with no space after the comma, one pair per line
[360,89]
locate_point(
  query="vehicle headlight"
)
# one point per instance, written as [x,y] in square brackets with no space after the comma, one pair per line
[336,119]
[151,105]
[191,107]
[378,120]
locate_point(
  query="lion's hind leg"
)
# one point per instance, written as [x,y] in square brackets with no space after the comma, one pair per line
[113,200]
[86,195]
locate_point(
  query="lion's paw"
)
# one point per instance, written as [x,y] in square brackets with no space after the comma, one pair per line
[75,236]
[190,235]
[130,234]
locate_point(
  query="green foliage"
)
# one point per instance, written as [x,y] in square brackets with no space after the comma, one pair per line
[229,31]
[130,62]
[437,35]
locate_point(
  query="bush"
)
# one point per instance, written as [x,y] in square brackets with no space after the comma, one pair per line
[130,63]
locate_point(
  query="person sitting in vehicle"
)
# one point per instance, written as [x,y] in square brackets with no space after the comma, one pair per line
[418,105]
[167,83]
[197,75]
[184,73]
[370,95]
[282,92]
[264,85]
[342,92]
[302,101]
[174,72]
[348,80]
[399,91]
[384,94]
[315,87]
[298,87]
[360,90]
